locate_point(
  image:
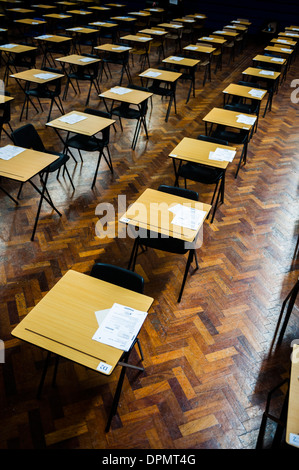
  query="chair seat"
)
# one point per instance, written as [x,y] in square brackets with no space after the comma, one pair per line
[245,108]
[231,136]
[157,242]
[200,173]
[160,90]
[63,158]
[85,143]
[126,112]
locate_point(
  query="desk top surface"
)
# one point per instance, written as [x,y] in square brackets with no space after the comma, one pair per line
[25,165]
[89,126]
[160,74]
[16,48]
[244,91]
[112,48]
[269,59]
[200,48]
[133,96]
[280,50]
[198,151]
[77,59]
[269,74]
[30,75]
[227,118]
[183,61]
[151,211]
[64,321]
[136,38]
[53,38]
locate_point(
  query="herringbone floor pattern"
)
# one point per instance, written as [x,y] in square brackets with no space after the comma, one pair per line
[208,360]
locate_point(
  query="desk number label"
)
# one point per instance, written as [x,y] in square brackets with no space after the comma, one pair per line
[294,439]
[104,368]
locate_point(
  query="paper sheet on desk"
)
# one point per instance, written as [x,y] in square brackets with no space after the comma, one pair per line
[72,119]
[10,151]
[187,217]
[246,119]
[151,74]
[256,93]
[174,57]
[45,76]
[222,155]
[120,90]
[120,326]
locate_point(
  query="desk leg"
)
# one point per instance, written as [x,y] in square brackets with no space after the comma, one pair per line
[42,193]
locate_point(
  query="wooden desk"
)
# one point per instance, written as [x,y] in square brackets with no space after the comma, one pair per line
[228,118]
[135,38]
[181,63]
[64,322]
[271,77]
[283,42]
[48,40]
[156,206]
[13,49]
[198,152]
[31,76]
[90,126]
[216,41]
[114,53]
[245,93]
[153,32]
[226,34]
[292,428]
[200,49]
[133,97]
[23,167]
[159,76]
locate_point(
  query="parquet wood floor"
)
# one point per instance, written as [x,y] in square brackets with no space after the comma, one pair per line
[208,360]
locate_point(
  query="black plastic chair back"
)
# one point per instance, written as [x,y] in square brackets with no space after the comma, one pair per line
[27,137]
[118,276]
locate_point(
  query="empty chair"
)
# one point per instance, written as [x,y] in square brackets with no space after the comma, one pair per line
[119,276]
[27,137]
[93,144]
[50,91]
[167,244]
[205,174]
[87,73]
[126,111]
[5,116]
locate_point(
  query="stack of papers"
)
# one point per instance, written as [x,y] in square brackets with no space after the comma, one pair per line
[246,119]
[87,59]
[72,119]
[187,217]
[266,72]
[174,57]
[10,151]
[119,326]
[120,48]
[277,59]
[222,155]
[151,74]
[256,93]
[45,76]
[120,90]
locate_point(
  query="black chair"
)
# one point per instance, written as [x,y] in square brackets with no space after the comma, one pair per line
[87,73]
[205,175]
[234,136]
[50,91]
[165,90]
[117,58]
[168,244]
[5,117]
[93,144]
[27,137]
[126,111]
[245,105]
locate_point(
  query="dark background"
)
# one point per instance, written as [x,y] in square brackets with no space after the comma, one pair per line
[220,13]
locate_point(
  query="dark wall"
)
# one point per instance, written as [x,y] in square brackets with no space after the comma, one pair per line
[220,13]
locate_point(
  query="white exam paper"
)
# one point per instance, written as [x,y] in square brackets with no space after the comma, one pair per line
[187,217]
[120,326]
[45,76]
[266,72]
[176,58]
[120,90]
[151,74]
[10,151]
[87,59]
[256,93]
[72,119]
[277,59]
[246,119]
[9,46]
[224,155]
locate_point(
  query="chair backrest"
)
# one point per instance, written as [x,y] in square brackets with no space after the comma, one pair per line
[118,276]
[213,140]
[104,114]
[251,84]
[27,137]
[55,85]
[181,192]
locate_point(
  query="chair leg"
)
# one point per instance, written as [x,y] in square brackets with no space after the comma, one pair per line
[133,256]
